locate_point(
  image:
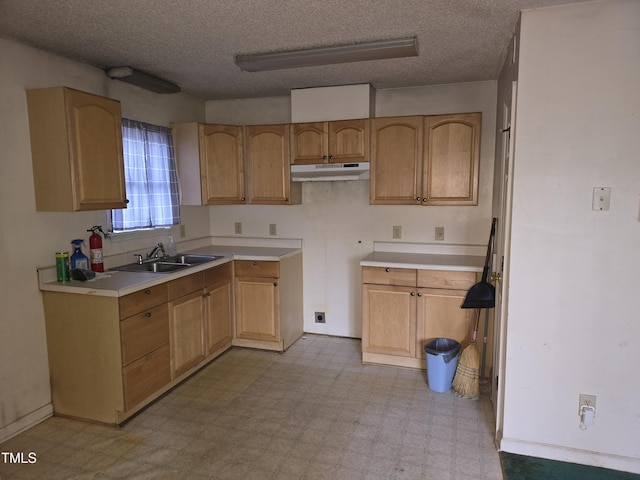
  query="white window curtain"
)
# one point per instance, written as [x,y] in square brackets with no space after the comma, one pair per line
[150,177]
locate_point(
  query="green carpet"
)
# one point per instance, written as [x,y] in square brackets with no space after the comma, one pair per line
[522,467]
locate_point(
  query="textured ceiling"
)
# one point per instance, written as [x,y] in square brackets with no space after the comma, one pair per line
[193,42]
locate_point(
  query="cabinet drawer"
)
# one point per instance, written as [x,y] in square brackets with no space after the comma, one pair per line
[250,268]
[218,274]
[144,332]
[389,276]
[143,300]
[146,376]
[446,279]
[185,285]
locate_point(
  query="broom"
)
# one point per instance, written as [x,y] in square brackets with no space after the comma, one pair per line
[466,379]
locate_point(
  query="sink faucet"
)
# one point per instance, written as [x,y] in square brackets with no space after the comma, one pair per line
[154,253]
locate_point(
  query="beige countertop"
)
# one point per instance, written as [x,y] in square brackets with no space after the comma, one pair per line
[117,284]
[424,261]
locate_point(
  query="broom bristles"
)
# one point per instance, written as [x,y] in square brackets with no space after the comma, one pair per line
[466,379]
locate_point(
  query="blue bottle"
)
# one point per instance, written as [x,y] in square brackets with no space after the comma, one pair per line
[79,259]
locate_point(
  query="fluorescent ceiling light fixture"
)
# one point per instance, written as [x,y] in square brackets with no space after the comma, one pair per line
[403,47]
[141,79]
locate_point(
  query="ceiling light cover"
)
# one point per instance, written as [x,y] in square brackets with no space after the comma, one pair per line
[143,80]
[403,47]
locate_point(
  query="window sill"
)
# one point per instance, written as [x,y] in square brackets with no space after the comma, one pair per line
[118,237]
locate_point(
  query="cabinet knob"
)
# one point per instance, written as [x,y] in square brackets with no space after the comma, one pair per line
[205,295]
[148,314]
[413,294]
[275,284]
[424,199]
[324,157]
[126,200]
[243,199]
[330,157]
[387,270]
[419,294]
[147,292]
[286,199]
[254,263]
[418,198]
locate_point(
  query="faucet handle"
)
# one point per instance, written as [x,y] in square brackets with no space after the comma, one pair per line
[140,261]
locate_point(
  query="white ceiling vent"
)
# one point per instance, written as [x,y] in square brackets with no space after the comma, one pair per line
[322,104]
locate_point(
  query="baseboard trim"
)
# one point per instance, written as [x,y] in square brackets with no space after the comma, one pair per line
[571,455]
[26,422]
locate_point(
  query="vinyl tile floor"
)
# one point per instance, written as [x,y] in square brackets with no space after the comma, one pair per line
[312,413]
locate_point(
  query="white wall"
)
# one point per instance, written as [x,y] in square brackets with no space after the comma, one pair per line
[29,239]
[573,314]
[336,222]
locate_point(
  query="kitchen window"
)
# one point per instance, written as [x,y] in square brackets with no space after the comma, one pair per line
[150,177]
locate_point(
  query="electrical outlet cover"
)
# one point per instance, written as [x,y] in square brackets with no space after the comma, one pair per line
[586,400]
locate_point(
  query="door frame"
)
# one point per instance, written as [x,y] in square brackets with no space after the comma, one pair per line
[501,256]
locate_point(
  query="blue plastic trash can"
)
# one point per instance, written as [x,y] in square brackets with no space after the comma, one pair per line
[442,360]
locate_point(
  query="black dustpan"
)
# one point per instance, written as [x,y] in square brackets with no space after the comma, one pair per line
[483,294]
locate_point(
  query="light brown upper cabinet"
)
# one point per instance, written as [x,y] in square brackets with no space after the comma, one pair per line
[210,162]
[431,160]
[76,148]
[452,159]
[269,166]
[396,160]
[330,142]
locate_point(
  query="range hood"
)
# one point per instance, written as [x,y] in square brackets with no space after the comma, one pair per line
[326,172]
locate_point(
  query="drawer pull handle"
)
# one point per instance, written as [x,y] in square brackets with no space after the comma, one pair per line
[148,314]
[147,292]
[387,270]
[205,295]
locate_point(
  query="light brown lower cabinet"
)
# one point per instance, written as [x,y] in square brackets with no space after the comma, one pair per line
[200,321]
[109,357]
[268,300]
[186,331]
[404,309]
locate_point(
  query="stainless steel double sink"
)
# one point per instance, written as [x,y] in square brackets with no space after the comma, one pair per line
[168,264]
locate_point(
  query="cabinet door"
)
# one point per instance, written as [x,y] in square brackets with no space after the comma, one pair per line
[257,308]
[186,332]
[218,314]
[309,143]
[452,159]
[268,165]
[145,376]
[96,144]
[221,164]
[440,316]
[389,314]
[396,160]
[349,141]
